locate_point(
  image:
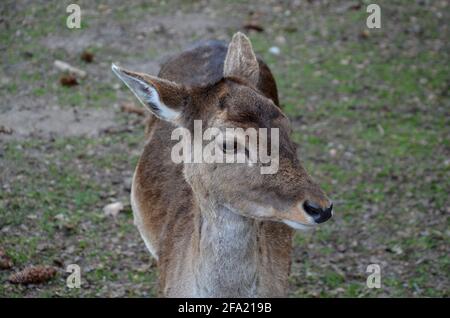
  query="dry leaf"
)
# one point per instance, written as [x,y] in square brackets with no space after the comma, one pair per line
[130,107]
[5,130]
[253,26]
[33,275]
[68,80]
[364,34]
[87,56]
[5,260]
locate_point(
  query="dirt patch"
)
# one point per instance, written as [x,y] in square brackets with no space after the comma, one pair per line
[150,32]
[52,122]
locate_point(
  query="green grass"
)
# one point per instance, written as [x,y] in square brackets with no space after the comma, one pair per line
[60,201]
[370,116]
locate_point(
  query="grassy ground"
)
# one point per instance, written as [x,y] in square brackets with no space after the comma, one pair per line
[370,110]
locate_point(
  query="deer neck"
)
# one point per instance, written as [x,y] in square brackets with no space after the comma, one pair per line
[227,247]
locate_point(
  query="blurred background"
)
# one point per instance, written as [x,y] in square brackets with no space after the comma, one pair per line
[369,107]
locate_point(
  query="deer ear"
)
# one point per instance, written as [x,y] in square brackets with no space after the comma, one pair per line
[163,98]
[241,60]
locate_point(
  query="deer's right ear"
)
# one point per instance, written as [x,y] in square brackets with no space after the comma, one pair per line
[163,98]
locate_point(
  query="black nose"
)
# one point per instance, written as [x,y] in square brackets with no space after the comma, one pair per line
[318,213]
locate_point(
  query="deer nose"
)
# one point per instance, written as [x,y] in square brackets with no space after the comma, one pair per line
[318,213]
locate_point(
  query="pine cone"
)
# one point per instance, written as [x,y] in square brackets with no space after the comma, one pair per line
[33,275]
[5,260]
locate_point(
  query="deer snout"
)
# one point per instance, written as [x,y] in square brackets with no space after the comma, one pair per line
[319,212]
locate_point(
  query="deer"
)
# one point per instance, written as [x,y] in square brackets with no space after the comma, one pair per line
[218,229]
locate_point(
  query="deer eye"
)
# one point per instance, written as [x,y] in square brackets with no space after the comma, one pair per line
[228,147]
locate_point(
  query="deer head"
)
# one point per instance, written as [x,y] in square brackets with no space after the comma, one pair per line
[289,195]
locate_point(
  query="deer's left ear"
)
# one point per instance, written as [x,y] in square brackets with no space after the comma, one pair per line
[165,99]
[241,60]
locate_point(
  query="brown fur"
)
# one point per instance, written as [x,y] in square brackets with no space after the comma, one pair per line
[203,247]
